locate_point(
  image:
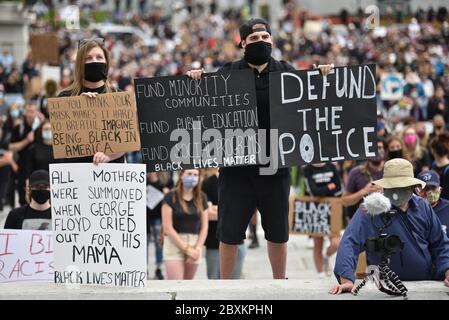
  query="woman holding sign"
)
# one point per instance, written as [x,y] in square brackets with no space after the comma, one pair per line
[91,72]
[185,225]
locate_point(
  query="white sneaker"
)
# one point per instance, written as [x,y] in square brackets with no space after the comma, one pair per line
[321,275]
[310,243]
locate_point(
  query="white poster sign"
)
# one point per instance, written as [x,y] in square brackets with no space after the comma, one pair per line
[26,255]
[392,86]
[99,222]
[154,197]
[51,72]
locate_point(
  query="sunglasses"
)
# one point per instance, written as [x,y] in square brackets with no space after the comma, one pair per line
[99,41]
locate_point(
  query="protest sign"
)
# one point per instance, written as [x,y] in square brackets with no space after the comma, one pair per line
[154,197]
[26,255]
[392,86]
[316,215]
[11,98]
[51,73]
[99,223]
[206,123]
[83,126]
[33,87]
[44,48]
[321,119]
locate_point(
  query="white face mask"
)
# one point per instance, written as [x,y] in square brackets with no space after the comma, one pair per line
[36,123]
[46,135]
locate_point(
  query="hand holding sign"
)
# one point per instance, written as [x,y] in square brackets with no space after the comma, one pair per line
[90,94]
[100,157]
[195,74]
[325,69]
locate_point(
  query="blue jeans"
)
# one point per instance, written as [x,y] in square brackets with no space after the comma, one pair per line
[213,263]
[155,224]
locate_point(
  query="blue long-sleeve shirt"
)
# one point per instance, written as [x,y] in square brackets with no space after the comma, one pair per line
[442,211]
[426,251]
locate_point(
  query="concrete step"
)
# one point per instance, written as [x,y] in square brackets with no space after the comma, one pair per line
[216,290]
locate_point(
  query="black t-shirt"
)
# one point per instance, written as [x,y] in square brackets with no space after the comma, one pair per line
[88,159]
[318,178]
[424,161]
[262,81]
[40,155]
[183,222]
[20,132]
[27,218]
[210,188]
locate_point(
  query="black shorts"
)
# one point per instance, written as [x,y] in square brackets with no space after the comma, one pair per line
[239,196]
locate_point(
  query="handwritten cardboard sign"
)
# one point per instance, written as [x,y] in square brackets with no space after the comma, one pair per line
[83,126]
[44,47]
[316,215]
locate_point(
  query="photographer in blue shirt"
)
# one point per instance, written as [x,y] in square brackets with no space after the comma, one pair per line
[425,255]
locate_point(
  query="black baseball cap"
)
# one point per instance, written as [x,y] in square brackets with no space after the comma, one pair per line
[248,27]
[39,177]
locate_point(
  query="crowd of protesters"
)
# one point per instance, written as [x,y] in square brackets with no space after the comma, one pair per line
[414,127]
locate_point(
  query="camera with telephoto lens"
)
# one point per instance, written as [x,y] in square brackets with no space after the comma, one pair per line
[384,244]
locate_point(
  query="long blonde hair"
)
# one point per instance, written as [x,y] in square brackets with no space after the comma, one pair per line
[83,50]
[417,151]
[197,195]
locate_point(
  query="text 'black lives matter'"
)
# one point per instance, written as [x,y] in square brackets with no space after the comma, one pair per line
[324,119]
[206,123]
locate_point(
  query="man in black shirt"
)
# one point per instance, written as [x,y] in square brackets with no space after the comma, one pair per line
[21,139]
[244,189]
[37,214]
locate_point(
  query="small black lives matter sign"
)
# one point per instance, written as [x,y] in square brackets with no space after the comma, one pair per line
[206,123]
[324,119]
[315,215]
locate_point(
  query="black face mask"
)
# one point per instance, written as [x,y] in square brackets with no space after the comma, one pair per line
[258,53]
[396,154]
[40,196]
[95,71]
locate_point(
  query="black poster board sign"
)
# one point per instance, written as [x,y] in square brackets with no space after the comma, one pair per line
[321,119]
[206,123]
